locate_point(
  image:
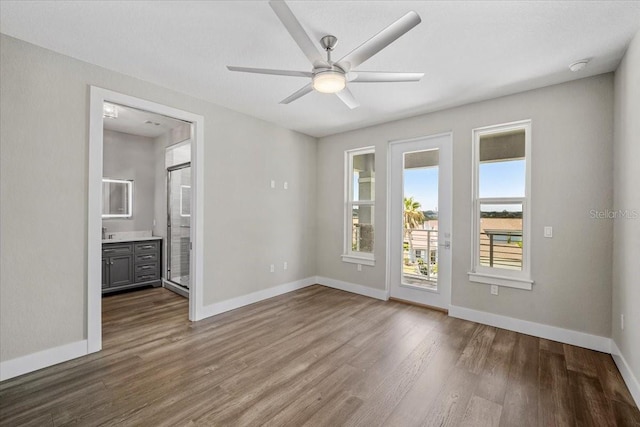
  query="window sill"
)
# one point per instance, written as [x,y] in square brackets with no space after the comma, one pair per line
[509,282]
[354,259]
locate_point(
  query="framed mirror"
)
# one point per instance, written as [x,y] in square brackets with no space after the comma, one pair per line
[117,198]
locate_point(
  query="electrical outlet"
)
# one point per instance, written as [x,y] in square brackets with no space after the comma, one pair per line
[494,289]
[284,265]
[272,268]
[359,267]
[622,322]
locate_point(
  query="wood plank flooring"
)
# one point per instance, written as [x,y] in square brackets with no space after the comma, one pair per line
[316,357]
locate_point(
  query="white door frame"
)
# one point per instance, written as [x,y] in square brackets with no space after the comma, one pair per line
[441,298]
[94,215]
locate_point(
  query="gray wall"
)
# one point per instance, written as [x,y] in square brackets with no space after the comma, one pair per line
[572,155]
[44,100]
[626,175]
[128,156]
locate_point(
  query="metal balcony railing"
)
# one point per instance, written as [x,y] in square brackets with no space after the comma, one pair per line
[425,266]
[501,249]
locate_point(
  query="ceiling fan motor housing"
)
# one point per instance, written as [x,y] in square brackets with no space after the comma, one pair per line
[329,42]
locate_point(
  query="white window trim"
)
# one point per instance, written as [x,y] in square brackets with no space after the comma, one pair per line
[493,276]
[349,255]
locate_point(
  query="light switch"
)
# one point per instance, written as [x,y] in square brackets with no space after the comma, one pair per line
[548,231]
[273,184]
[286,185]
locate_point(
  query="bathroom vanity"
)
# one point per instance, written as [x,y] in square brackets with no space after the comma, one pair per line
[130,264]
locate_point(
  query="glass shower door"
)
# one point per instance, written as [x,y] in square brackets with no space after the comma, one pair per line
[179,224]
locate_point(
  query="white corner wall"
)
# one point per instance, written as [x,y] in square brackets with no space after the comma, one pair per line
[44,105]
[626,229]
[572,159]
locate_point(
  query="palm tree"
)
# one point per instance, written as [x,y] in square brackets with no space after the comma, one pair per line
[413,217]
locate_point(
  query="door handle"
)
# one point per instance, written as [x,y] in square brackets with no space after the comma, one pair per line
[447,244]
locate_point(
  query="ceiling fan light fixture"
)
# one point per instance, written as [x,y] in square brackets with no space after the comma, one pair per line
[329,81]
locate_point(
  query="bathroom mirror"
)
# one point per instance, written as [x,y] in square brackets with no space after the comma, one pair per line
[117,198]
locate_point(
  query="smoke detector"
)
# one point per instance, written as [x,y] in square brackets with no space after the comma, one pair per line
[578,65]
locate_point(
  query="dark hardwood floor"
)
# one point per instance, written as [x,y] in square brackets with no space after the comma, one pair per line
[316,357]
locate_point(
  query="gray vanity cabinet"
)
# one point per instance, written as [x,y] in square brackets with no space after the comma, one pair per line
[117,265]
[131,264]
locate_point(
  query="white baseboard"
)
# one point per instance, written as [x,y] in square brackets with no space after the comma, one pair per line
[353,288]
[632,382]
[42,359]
[241,301]
[567,336]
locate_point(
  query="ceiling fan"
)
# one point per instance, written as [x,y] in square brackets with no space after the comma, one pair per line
[332,77]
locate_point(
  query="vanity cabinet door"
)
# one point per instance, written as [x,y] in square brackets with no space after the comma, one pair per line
[105,273]
[121,270]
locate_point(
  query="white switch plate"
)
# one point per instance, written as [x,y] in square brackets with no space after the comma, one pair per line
[548,231]
[284,265]
[494,289]
[273,184]
[272,268]
[286,185]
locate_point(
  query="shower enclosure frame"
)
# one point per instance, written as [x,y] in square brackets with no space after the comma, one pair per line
[169,226]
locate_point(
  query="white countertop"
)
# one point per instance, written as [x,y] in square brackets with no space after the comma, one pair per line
[131,239]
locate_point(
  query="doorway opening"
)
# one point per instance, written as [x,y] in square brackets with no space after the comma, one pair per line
[136,226]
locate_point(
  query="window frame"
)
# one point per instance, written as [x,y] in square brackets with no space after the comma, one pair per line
[348,254]
[520,279]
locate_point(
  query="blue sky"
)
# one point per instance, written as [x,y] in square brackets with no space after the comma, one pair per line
[497,179]
[422,184]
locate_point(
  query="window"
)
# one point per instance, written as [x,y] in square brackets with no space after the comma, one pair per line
[359,206]
[501,202]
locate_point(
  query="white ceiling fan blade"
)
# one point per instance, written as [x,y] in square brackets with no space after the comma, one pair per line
[381,40]
[298,33]
[269,71]
[298,94]
[347,97]
[382,77]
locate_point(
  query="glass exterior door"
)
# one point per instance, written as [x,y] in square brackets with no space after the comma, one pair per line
[420,221]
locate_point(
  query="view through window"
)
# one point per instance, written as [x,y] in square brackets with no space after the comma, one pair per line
[420,219]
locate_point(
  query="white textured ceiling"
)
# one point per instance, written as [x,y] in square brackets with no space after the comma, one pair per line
[468,50]
[138,122]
